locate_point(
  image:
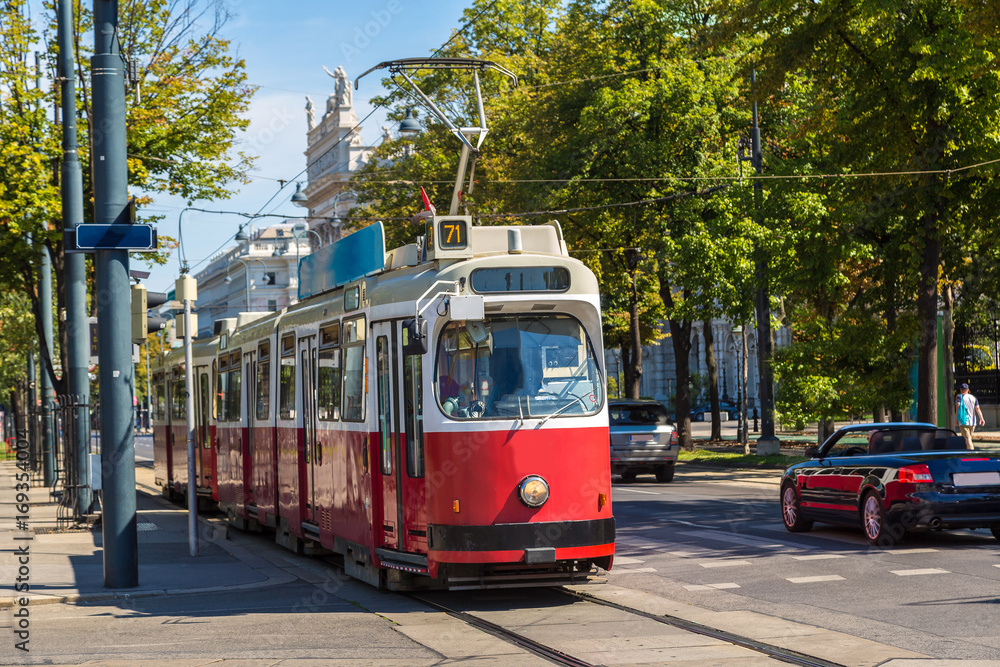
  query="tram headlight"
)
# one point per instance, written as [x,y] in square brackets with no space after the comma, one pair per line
[533,490]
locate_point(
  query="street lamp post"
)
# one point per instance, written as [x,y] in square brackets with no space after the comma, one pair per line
[246,275]
[741,386]
[768,443]
[298,230]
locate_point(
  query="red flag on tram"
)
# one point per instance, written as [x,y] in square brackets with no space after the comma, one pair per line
[427,200]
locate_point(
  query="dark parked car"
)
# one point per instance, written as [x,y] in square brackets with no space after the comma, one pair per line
[726,411]
[893,478]
[643,440]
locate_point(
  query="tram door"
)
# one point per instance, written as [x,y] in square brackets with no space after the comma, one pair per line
[307,421]
[388,429]
[203,441]
[249,394]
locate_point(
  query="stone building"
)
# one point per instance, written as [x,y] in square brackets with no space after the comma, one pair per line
[257,275]
[260,274]
[659,371]
[334,151]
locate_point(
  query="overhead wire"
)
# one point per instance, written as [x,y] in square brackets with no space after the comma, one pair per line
[348,134]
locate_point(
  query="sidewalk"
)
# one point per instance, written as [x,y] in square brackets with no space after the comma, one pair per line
[235,603]
[66,565]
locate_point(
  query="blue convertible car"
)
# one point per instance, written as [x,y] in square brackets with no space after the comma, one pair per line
[891,478]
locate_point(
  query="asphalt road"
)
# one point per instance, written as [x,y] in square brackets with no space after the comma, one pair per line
[715,540]
[720,544]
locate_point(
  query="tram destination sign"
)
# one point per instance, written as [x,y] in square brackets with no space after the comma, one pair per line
[354,256]
[135,238]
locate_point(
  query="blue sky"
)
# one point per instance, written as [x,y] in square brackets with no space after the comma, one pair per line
[285,46]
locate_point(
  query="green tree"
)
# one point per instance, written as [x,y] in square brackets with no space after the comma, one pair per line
[181,128]
[895,87]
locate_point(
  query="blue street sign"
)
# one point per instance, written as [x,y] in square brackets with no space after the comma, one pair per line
[137,238]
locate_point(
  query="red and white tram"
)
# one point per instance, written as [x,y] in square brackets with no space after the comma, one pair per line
[440,418]
[168,415]
[435,415]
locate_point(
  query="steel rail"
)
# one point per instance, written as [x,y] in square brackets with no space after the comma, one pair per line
[539,649]
[776,652]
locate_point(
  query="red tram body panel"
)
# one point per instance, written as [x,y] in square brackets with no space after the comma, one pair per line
[437,420]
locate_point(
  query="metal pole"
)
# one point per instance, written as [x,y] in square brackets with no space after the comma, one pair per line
[74,264]
[30,413]
[192,487]
[147,422]
[45,310]
[121,563]
[767,443]
[45,380]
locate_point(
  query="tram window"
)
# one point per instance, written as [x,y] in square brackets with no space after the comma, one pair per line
[328,386]
[205,400]
[233,402]
[521,279]
[221,387]
[413,406]
[355,370]
[384,375]
[522,366]
[263,397]
[178,400]
[286,388]
[329,375]
[215,377]
[286,378]
[222,394]
[159,402]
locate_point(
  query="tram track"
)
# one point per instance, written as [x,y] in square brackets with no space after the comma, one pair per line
[776,652]
[549,653]
[558,657]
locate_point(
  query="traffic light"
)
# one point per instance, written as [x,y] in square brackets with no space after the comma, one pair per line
[142,301]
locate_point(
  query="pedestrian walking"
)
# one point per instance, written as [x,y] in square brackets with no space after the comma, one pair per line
[968,414]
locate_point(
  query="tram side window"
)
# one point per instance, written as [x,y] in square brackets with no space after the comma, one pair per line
[233,403]
[384,382]
[413,406]
[354,370]
[286,379]
[178,401]
[204,402]
[159,402]
[263,397]
[329,374]
[222,390]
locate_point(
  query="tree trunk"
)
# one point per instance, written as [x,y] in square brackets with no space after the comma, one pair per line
[824,429]
[927,292]
[634,387]
[927,309]
[713,379]
[627,370]
[743,393]
[949,354]
[680,336]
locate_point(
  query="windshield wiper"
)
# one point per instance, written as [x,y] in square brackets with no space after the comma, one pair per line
[563,409]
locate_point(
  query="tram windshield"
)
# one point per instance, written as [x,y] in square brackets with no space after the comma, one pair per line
[525,366]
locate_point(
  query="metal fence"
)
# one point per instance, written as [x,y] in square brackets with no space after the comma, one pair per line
[977,360]
[72,417]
